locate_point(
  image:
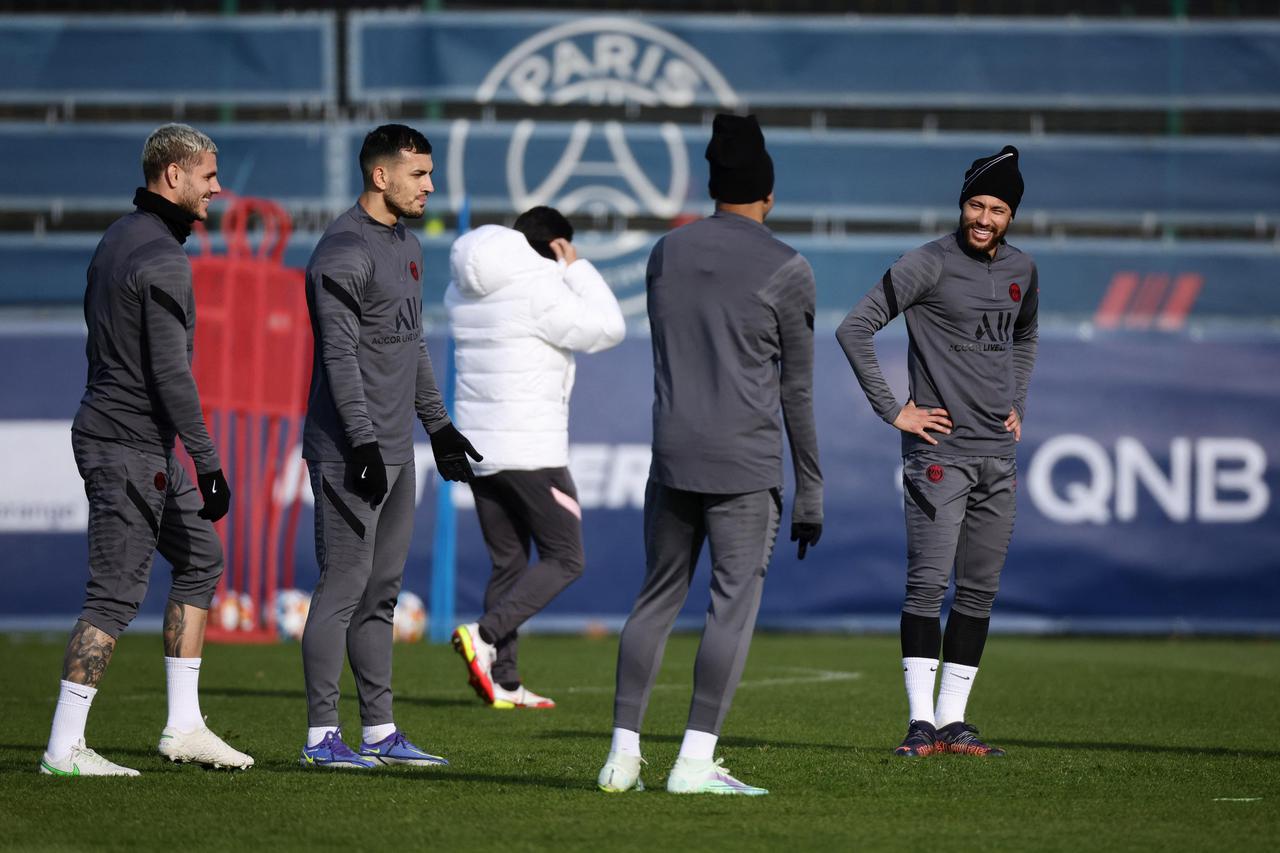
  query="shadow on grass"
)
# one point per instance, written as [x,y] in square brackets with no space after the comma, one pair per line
[1158,749]
[301,696]
[730,741]
[431,776]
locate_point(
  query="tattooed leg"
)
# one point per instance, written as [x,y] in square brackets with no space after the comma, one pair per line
[184,630]
[88,653]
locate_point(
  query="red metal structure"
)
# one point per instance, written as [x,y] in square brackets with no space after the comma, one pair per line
[252,366]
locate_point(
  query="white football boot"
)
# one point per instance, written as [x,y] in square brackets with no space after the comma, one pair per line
[82,761]
[620,773]
[704,776]
[478,656]
[201,746]
[521,697]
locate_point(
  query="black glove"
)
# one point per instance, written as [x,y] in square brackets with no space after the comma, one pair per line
[217,495]
[807,534]
[451,450]
[366,475]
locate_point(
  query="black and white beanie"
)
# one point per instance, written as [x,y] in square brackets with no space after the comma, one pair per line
[997,176]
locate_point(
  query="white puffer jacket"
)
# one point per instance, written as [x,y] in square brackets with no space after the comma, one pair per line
[516,318]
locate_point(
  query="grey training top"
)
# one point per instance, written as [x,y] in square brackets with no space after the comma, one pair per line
[731,312]
[371,370]
[971,325]
[141,315]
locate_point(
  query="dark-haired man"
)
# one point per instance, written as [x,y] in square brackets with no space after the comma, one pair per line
[731,311]
[520,304]
[370,374]
[970,301]
[139,309]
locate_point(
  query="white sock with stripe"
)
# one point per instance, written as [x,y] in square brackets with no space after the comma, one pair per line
[918,674]
[699,745]
[183,678]
[626,742]
[953,692]
[315,734]
[69,718]
[373,734]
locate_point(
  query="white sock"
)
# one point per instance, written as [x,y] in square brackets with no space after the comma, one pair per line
[626,742]
[315,734]
[918,674]
[69,717]
[953,692]
[183,677]
[373,734]
[698,745]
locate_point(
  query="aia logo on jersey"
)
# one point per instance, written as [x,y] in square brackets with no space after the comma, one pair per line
[413,270]
[409,317]
[1015,292]
[998,332]
[160,481]
[935,473]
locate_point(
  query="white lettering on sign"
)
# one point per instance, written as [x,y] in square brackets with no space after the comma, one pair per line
[1210,480]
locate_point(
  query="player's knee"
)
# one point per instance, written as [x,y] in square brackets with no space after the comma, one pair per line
[924,599]
[974,602]
[572,562]
[109,616]
[197,585]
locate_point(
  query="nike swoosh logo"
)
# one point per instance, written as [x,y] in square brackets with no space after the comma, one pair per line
[81,695]
[194,668]
[213,489]
[965,677]
[364,472]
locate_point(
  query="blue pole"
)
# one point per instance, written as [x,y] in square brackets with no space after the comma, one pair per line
[444,547]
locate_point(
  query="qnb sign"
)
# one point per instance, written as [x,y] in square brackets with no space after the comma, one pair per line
[1073,479]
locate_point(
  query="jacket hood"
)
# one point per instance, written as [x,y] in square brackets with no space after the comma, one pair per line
[491,257]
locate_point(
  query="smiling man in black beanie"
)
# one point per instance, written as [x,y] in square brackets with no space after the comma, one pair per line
[970,301]
[731,311]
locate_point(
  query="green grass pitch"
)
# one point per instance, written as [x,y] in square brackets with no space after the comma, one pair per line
[1113,745]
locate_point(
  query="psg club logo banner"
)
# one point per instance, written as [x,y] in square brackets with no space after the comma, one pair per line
[592,167]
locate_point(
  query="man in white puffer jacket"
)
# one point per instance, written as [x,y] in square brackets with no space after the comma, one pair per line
[520,303]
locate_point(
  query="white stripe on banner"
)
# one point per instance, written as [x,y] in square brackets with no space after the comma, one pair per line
[42,491]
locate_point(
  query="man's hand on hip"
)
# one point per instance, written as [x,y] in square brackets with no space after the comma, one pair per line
[917,421]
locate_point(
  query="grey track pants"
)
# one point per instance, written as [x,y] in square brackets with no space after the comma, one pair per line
[140,502]
[959,512]
[361,551]
[741,530]
[518,509]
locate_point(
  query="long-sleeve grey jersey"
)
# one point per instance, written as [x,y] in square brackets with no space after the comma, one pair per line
[371,370]
[140,312]
[731,312]
[972,330]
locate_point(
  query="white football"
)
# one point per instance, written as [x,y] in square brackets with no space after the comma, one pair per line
[292,606]
[410,620]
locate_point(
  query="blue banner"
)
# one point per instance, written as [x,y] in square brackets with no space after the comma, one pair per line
[1234,280]
[722,61]
[153,59]
[658,170]
[1146,502]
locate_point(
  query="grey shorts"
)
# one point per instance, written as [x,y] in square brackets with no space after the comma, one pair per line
[960,512]
[139,503]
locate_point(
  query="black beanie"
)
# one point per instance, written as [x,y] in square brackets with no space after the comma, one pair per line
[741,170]
[997,176]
